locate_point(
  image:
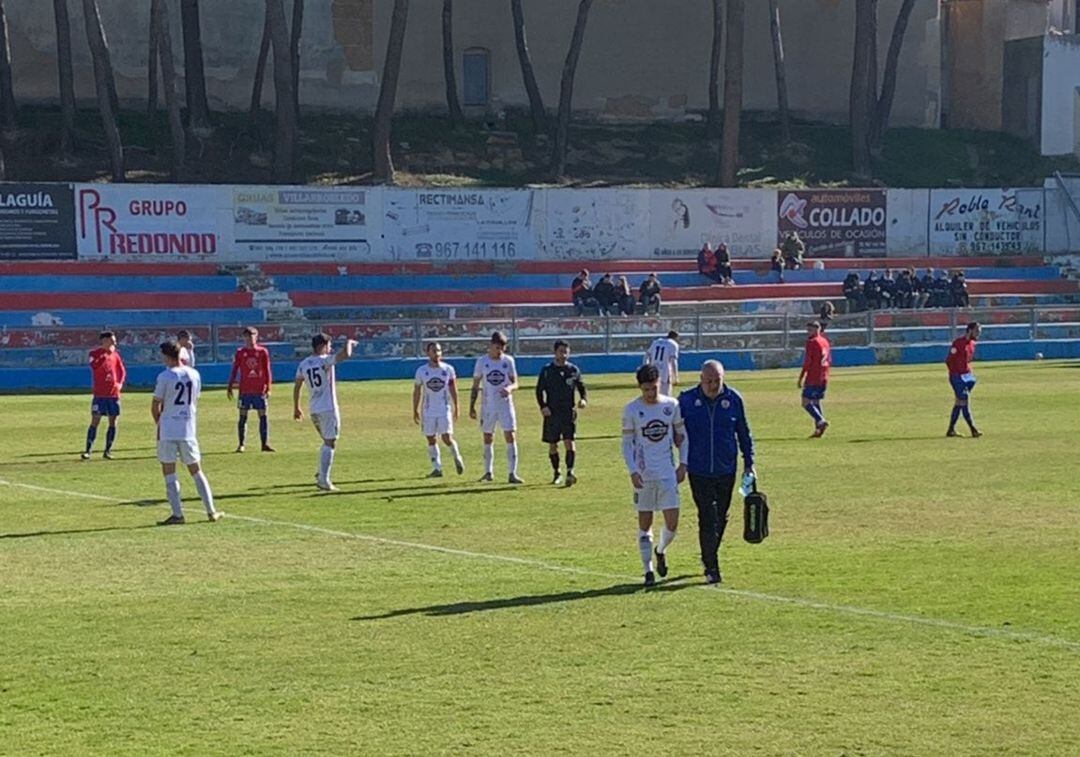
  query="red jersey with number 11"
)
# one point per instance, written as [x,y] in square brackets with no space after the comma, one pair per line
[252,364]
[817,361]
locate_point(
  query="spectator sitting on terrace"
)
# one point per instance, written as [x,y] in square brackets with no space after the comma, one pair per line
[723,265]
[887,287]
[826,314]
[604,293]
[872,290]
[926,284]
[940,295]
[918,291]
[706,263]
[793,249]
[581,292]
[649,295]
[903,293]
[853,293]
[959,291]
[776,264]
[624,298]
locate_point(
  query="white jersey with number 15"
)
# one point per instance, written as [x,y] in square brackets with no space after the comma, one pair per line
[317,371]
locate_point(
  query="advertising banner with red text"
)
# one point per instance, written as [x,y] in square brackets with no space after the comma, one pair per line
[835,222]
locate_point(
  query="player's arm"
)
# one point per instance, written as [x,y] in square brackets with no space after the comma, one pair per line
[416,402]
[541,393]
[121,372]
[682,443]
[298,414]
[674,371]
[805,367]
[745,439]
[454,397]
[513,385]
[157,402]
[233,374]
[268,373]
[474,393]
[346,351]
[580,384]
[628,450]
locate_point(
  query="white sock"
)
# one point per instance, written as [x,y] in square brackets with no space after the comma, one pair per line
[666,537]
[207,496]
[172,492]
[489,458]
[511,457]
[645,548]
[435,455]
[326,460]
[455,450]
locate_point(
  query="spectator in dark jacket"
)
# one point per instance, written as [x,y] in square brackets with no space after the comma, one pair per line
[887,287]
[649,295]
[927,285]
[706,263]
[723,265]
[872,290]
[776,264]
[581,292]
[903,292]
[853,293]
[793,249]
[826,314]
[604,293]
[958,289]
[624,297]
[919,294]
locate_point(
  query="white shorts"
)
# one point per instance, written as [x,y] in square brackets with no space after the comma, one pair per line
[433,425]
[184,450]
[327,424]
[657,495]
[503,415]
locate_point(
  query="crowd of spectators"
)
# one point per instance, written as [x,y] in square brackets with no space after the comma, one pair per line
[614,296]
[938,289]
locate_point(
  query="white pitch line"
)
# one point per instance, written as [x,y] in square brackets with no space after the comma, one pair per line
[808,604]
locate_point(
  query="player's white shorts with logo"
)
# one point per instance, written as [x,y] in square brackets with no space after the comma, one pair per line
[501,415]
[662,494]
[184,450]
[327,424]
[433,425]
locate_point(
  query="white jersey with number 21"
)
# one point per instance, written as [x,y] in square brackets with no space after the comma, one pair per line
[178,391]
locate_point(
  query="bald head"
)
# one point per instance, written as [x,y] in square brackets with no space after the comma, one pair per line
[712,378]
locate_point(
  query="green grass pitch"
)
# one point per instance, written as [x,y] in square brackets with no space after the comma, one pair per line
[918,595]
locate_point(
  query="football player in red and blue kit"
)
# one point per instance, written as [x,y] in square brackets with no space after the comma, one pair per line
[962,380]
[252,365]
[814,378]
[109,374]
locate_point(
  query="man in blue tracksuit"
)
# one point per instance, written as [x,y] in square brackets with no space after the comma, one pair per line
[717,430]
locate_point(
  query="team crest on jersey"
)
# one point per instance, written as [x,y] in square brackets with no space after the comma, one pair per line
[655,430]
[436,384]
[725,404]
[496,378]
[668,411]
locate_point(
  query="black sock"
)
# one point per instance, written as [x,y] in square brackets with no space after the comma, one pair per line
[241,430]
[570,455]
[264,429]
[554,458]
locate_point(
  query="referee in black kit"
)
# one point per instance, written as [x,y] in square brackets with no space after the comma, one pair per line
[555,395]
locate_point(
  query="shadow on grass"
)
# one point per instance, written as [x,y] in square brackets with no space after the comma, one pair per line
[427,492]
[69,531]
[531,600]
[896,439]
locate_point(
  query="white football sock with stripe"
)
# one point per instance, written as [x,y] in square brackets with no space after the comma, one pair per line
[207,496]
[489,459]
[512,457]
[435,455]
[666,537]
[326,461]
[172,492]
[645,544]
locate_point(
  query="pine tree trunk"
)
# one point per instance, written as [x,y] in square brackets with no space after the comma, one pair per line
[7,89]
[383,161]
[152,67]
[194,74]
[862,85]
[712,122]
[260,70]
[566,90]
[159,15]
[733,93]
[453,104]
[536,102]
[294,53]
[103,75]
[781,72]
[66,77]
[883,109]
[286,137]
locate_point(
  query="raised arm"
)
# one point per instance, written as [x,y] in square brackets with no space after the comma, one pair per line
[346,351]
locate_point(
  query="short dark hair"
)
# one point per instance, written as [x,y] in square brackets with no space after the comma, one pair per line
[320,340]
[647,374]
[814,324]
[170,349]
[250,331]
[560,343]
[973,325]
[183,334]
[673,334]
[106,335]
[497,337]
[429,345]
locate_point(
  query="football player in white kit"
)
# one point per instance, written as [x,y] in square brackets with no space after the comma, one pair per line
[436,385]
[496,375]
[174,407]
[651,426]
[664,354]
[187,348]
[317,371]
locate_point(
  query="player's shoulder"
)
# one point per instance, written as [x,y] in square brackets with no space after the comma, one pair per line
[733,394]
